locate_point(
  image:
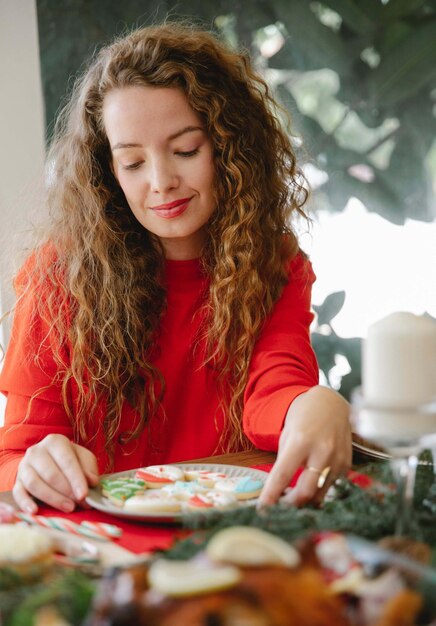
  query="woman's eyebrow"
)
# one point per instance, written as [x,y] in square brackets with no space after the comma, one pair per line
[187,129]
[120,146]
[179,133]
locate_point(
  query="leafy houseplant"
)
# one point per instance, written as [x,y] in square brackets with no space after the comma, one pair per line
[358,77]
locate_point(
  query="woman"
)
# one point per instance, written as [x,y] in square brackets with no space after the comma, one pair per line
[166,314]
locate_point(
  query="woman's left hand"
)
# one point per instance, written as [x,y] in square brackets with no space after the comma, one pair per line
[317,436]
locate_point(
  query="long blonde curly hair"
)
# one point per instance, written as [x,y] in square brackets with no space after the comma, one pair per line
[105,270]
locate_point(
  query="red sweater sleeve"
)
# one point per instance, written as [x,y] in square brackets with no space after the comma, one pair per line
[283,364]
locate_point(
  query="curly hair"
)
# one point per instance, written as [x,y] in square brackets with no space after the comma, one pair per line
[106,270]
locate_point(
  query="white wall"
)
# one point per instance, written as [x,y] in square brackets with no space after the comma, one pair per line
[22,137]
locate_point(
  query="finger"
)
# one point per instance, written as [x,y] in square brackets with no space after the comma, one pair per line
[278,480]
[66,458]
[89,466]
[313,485]
[342,470]
[34,485]
[50,473]
[88,463]
[306,488]
[321,493]
[23,499]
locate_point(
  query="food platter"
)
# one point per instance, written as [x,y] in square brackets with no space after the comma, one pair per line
[249,572]
[97,500]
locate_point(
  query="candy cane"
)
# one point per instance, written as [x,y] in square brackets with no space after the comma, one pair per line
[35,520]
[108,530]
[77,529]
[64,525]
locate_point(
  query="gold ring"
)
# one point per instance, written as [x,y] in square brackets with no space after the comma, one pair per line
[323,477]
[322,474]
[313,469]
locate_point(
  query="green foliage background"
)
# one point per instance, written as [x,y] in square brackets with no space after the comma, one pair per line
[358,77]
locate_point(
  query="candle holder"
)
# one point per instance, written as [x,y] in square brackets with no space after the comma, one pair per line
[403,431]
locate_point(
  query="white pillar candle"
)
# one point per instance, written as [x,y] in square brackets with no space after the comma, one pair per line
[399,361]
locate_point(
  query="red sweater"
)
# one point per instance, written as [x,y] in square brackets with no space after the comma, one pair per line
[283,365]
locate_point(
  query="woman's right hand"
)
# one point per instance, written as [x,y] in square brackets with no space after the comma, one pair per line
[56,472]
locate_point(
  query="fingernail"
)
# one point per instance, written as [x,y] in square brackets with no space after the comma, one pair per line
[31,508]
[67,506]
[79,493]
[289,499]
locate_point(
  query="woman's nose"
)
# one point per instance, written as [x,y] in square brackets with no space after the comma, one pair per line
[162,176]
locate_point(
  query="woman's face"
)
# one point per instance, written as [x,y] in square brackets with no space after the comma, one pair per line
[163,161]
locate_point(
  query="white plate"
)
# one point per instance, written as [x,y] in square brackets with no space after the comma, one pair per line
[97,501]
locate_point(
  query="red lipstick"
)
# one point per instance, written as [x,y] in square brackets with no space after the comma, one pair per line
[172,209]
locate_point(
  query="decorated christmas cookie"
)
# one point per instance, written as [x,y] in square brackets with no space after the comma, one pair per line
[157,476]
[242,487]
[120,489]
[153,501]
[204,477]
[183,490]
[211,500]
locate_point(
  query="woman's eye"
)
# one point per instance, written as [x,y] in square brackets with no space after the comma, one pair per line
[189,153]
[132,166]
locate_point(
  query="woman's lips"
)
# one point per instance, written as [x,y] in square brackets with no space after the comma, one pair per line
[172,209]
